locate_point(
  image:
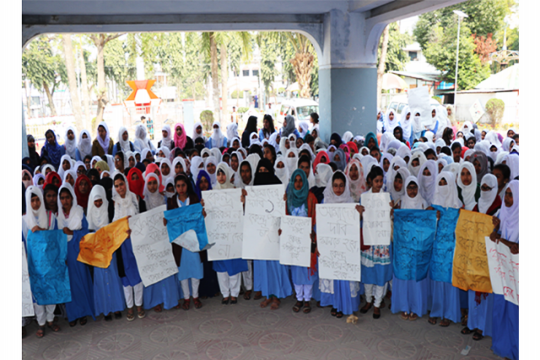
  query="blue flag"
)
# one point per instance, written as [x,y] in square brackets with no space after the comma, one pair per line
[414,234]
[49,278]
[445,243]
[187,218]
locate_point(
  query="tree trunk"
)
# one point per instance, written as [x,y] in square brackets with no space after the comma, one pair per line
[215,76]
[102,100]
[302,64]
[382,62]
[50,98]
[28,100]
[72,80]
[85,94]
[224,85]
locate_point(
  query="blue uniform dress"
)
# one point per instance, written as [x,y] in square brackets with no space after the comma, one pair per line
[190,262]
[163,292]
[480,315]
[302,275]
[132,277]
[410,296]
[108,291]
[272,278]
[80,280]
[445,301]
[505,337]
[231,266]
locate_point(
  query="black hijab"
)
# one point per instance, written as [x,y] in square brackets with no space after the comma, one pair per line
[32,154]
[265,178]
[250,128]
[93,172]
[337,138]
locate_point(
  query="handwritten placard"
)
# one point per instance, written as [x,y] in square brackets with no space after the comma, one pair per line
[151,246]
[338,241]
[503,270]
[264,208]
[224,223]
[295,241]
[443,248]
[377,227]
[471,270]
[27,305]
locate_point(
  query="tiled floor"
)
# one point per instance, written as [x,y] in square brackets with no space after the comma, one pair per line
[245,331]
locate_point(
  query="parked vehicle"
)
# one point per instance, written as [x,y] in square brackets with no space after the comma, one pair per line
[299,108]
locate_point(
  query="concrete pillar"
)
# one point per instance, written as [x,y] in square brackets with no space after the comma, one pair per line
[347,76]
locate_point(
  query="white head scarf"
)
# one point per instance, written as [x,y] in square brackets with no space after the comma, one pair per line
[127,206]
[31,214]
[71,145]
[167,141]
[468,192]
[195,135]
[140,137]
[217,136]
[228,172]
[238,178]
[512,161]
[96,159]
[467,127]
[389,125]
[211,160]
[406,125]
[182,163]
[124,145]
[166,152]
[169,181]
[493,138]
[71,172]
[323,175]
[145,153]
[367,163]
[421,158]
[507,142]
[386,138]
[510,215]
[273,140]
[500,157]
[417,202]
[388,157]
[347,136]
[292,141]
[283,173]
[155,199]
[282,147]
[304,128]
[447,196]
[331,198]
[61,167]
[404,173]
[85,145]
[292,162]
[217,154]
[97,217]
[104,143]
[404,152]
[395,144]
[168,162]
[76,214]
[232,131]
[358,186]
[196,162]
[487,197]
[427,184]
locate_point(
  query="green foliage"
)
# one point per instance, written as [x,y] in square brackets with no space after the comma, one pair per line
[396,58]
[40,65]
[438,99]
[242,110]
[441,53]
[495,109]
[117,67]
[207,119]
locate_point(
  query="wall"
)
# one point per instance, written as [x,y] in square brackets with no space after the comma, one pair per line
[511,109]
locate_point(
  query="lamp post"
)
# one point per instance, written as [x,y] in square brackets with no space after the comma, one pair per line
[460,15]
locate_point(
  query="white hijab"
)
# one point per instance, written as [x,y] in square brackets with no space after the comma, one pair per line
[211,160]
[217,136]
[282,147]
[76,214]
[512,161]
[487,197]
[447,196]
[331,198]
[510,215]
[228,172]
[31,214]
[304,128]
[167,141]
[232,131]
[195,135]
[283,173]
[467,192]
[427,184]
[347,136]
[397,195]
[168,162]
[323,174]
[421,158]
[217,154]
[124,145]
[127,206]
[140,138]
[97,217]
[406,125]
[417,202]
[85,145]
[389,125]
[292,162]
[155,199]
[182,163]
[196,162]
[71,145]
[404,152]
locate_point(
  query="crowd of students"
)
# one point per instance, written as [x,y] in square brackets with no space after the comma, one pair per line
[82,186]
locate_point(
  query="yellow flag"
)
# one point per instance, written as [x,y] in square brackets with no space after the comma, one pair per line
[470,270]
[97,249]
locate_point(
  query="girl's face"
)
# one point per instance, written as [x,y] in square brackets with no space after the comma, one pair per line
[493,149]
[234,162]
[165,169]
[460,135]
[198,130]
[415,163]
[221,177]
[84,136]
[70,179]
[338,186]
[331,150]
[426,172]
[178,168]
[470,143]
[41,181]
[466,177]
[337,157]
[150,157]
[299,143]
[280,165]
[125,136]
[501,181]
[287,144]
[94,164]
[440,168]
[204,184]
[134,177]
[81,170]
[508,198]
[120,187]
[131,161]
[266,124]
[102,132]
[50,138]
[371,143]
[449,111]
[211,168]
[35,202]
[477,166]
[433,113]
[291,155]
[397,134]
[98,203]
[169,188]
[26,177]
[483,134]
[66,165]
[353,172]
[66,200]
[378,116]
[181,188]
[31,143]
[364,152]
[161,154]
[377,184]
[164,133]
[152,185]
[386,164]
[391,116]
[412,190]
[205,155]
[226,158]
[138,157]
[298,183]
[179,130]
[408,116]
[83,187]
[267,153]
[51,199]
[118,162]
[235,145]
[398,184]
[443,182]
[457,154]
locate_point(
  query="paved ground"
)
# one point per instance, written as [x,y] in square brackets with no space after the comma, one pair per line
[245,331]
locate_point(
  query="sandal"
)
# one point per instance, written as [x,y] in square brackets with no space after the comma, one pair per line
[258,295]
[197,303]
[376,312]
[466,331]
[477,336]
[141,314]
[339,315]
[83,321]
[432,321]
[225,301]
[464,320]
[366,308]
[73,323]
[247,295]
[296,308]
[108,317]
[266,302]
[404,316]
[307,307]
[186,304]
[413,317]
[234,301]
[333,312]
[444,323]
[319,305]
[41,332]
[118,315]
[158,308]
[275,304]
[130,316]
[53,327]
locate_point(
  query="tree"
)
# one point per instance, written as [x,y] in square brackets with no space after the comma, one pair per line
[396,58]
[270,51]
[484,47]
[72,79]
[100,41]
[302,61]
[441,53]
[382,63]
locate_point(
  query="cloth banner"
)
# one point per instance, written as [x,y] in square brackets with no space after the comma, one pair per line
[295,241]
[471,270]
[151,246]
[224,223]
[419,101]
[183,219]
[97,248]
[264,208]
[443,248]
[503,270]
[49,277]
[27,304]
[338,241]
[414,234]
[377,225]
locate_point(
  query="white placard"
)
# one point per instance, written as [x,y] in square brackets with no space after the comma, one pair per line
[151,246]
[476,110]
[224,223]
[264,208]
[27,304]
[338,241]
[377,226]
[503,270]
[295,241]
[419,100]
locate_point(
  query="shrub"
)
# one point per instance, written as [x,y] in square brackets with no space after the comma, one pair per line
[242,110]
[437,98]
[207,119]
[237,94]
[495,109]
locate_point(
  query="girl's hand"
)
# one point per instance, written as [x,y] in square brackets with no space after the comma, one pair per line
[36,228]
[203,213]
[496,221]
[317,251]
[67,231]
[494,237]
[285,197]
[360,209]
[430,208]
[128,232]
[279,232]
[164,222]
[243,196]
[438,215]
[514,249]
[392,204]
[202,202]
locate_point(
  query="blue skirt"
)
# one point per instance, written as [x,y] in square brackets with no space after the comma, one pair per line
[377,275]
[341,299]
[302,275]
[108,291]
[505,338]
[445,303]
[163,292]
[272,278]
[132,277]
[190,266]
[480,315]
[410,296]
[80,281]
[231,267]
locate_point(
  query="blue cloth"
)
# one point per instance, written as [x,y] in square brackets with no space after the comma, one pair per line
[302,275]
[231,267]
[210,144]
[80,280]
[54,152]
[187,218]
[131,270]
[505,338]
[442,257]
[190,265]
[108,291]
[272,278]
[341,299]
[445,303]
[47,253]
[414,234]
[480,315]
[163,292]
[116,148]
[410,296]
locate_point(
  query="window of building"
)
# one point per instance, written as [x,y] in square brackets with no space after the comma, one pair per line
[255,72]
[245,72]
[413,55]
